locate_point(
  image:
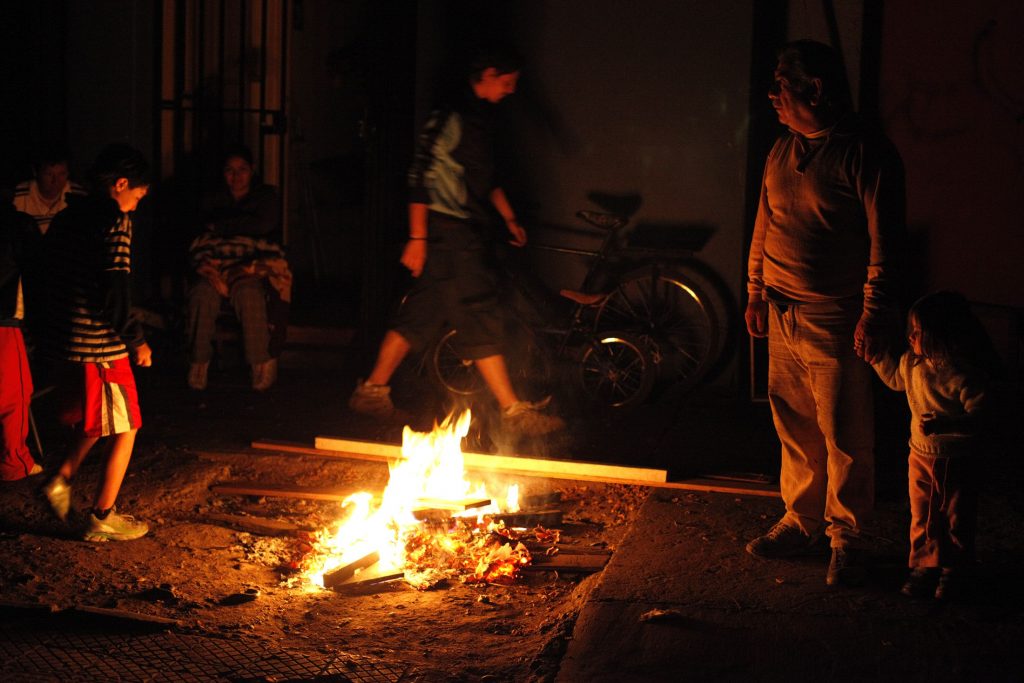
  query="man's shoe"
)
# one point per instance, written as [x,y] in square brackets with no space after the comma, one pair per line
[264,375]
[197,375]
[114,527]
[373,400]
[524,417]
[920,582]
[782,540]
[950,586]
[58,493]
[846,567]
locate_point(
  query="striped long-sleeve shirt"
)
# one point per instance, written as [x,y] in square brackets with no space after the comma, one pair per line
[82,272]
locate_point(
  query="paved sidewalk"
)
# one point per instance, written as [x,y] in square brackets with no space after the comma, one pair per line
[682,601]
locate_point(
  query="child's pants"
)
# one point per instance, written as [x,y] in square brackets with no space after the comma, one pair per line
[943,511]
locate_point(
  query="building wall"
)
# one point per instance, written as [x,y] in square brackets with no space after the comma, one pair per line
[952,87]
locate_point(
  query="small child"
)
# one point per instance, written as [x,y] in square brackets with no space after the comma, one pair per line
[944,374]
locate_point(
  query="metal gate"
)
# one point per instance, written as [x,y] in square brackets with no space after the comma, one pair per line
[223,80]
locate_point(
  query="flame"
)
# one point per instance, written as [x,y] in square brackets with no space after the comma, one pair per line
[431,469]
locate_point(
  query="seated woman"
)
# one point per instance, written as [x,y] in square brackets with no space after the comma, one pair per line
[234,259]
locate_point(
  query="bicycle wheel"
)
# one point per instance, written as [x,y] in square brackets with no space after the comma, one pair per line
[672,316]
[616,371]
[450,371]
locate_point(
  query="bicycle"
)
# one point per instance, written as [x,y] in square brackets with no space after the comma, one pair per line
[648,321]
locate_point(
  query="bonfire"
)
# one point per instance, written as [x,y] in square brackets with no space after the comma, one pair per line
[431,525]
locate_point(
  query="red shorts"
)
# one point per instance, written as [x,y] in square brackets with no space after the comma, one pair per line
[98,399]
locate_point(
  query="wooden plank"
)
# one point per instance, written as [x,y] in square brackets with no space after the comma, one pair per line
[256,488]
[566,562]
[340,575]
[370,576]
[506,463]
[299,449]
[546,518]
[703,484]
[255,525]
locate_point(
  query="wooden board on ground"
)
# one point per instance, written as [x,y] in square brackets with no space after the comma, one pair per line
[568,562]
[261,526]
[251,488]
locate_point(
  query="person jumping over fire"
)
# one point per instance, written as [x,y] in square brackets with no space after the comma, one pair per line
[452,190]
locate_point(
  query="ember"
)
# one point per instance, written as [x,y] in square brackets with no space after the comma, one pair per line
[430,524]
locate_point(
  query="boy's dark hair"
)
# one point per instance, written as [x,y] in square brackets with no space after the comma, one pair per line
[50,154]
[807,59]
[119,161]
[237,150]
[501,59]
[951,335]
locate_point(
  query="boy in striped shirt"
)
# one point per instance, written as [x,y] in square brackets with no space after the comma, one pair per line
[81,324]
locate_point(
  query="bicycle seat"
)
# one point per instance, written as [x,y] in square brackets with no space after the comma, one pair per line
[605,221]
[582,297]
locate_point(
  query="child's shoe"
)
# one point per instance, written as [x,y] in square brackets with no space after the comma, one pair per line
[113,527]
[920,582]
[58,493]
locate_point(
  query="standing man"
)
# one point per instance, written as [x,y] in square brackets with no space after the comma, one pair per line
[820,286]
[452,192]
[85,329]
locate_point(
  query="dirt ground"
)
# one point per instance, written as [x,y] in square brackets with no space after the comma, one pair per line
[218,580]
[214,579]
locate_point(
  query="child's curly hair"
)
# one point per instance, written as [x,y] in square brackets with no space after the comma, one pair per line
[951,335]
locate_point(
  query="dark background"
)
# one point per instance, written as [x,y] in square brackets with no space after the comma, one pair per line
[663,101]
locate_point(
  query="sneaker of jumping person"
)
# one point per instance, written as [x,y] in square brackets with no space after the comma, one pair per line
[264,375]
[113,527]
[847,567]
[920,582]
[58,493]
[372,399]
[950,585]
[782,540]
[197,375]
[525,417]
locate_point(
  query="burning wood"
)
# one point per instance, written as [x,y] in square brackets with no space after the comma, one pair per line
[336,577]
[530,518]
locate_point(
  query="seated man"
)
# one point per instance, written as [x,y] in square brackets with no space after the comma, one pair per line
[45,195]
[232,260]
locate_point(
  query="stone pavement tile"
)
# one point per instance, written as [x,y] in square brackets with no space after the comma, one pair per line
[682,600]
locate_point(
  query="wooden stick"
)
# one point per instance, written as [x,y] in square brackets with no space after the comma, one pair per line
[336,577]
[547,518]
[702,485]
[568,469]
[278,491]
[583,564]
[255,525]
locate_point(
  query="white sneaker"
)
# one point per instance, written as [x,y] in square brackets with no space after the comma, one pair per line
[197,375]
[115,527]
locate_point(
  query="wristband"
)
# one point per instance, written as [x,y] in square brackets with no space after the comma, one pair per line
[417,238]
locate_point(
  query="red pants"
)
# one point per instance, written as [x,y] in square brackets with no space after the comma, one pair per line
[943,511]
[15,395]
